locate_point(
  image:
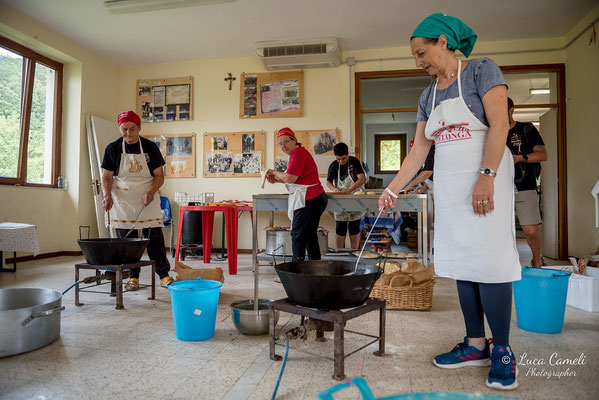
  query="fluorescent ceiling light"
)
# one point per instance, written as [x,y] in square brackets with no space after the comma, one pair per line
[132,6]
[539,91]
[536,123]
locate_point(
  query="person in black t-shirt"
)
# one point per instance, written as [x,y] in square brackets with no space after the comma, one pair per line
[345,176]
[528,150]
[131,176]
[425,173]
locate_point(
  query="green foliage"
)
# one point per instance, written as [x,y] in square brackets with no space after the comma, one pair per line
[11,69]
[390,155]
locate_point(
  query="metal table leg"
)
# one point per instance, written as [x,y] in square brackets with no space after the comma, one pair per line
[119,287]
[382,321]
[77,287]
[339,353]
[153,281]
[271,334]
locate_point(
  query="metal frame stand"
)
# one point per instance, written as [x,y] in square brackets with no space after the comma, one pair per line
[116,285]
[3,263]
[338,318]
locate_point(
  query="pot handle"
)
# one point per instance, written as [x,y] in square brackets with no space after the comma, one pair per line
[81,227]
[42,314]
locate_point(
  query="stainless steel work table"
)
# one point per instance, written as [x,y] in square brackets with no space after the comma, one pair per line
[343,202]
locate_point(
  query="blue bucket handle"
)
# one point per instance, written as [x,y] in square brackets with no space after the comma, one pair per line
[358,381]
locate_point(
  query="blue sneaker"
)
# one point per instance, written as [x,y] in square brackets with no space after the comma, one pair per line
[503,369]
[464,355]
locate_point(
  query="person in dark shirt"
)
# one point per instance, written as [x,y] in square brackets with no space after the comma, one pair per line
[131,176]
[425,173]
[344,177]
[528,150]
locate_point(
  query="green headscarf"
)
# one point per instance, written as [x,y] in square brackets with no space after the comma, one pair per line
[459,35]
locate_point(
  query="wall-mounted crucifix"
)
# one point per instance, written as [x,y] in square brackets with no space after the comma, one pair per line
[230,78]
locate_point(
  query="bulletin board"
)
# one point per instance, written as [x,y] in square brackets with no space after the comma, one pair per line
[272,95]
[179,152]
[233,154]
[319,143]
[165,100]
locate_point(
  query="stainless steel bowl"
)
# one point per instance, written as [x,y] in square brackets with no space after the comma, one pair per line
[249,321]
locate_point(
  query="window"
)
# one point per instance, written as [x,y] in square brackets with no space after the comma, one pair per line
[30,116]
[389,152]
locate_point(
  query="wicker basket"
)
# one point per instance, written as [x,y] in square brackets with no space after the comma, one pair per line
[413,297]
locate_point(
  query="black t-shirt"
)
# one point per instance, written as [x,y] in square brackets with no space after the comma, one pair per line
[522,139]
[112,154]
[429,163]
[353,165]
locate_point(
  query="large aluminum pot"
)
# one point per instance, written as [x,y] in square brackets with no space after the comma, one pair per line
[29,319]
[326,284]
[278,242]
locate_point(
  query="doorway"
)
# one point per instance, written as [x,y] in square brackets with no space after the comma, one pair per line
[387,102]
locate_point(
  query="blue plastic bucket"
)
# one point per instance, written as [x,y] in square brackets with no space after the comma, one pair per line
[194,308]
[541,299]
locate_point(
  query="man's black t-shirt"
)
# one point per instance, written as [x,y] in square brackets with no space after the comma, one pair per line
[521,139]
[112,154]
[353,165]
[429,163]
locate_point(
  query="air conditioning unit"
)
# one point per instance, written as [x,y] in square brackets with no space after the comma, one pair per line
[296,54]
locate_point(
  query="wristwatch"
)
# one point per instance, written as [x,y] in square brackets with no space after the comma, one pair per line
[487,172]
[525,157]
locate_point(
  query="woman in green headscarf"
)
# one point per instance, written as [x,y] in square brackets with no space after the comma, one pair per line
[464,112]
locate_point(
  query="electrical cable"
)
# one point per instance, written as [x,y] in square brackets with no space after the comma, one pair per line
[274,393]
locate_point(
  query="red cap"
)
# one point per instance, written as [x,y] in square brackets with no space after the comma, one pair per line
[286,132]
[128,116]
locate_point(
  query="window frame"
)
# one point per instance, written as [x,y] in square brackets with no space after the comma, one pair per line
[378,138]
[30,58]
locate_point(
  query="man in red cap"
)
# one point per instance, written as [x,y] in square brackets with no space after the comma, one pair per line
[131,175]
[307,200]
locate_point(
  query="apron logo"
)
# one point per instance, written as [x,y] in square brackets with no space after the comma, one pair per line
[135,166]
[451,133]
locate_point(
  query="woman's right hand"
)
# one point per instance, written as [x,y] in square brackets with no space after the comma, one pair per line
[107,203]
[386,201]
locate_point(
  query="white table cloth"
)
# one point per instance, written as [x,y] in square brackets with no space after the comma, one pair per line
[18,237]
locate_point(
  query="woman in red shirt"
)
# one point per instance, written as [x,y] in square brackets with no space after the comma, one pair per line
[307,200]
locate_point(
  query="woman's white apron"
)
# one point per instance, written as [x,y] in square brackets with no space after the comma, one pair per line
[467,246]
[297,197]
[344,185]
[128,189]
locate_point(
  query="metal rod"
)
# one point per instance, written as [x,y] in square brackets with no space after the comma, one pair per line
[366,240]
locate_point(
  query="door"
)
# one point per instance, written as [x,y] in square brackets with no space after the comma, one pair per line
[549,185]
[100,132]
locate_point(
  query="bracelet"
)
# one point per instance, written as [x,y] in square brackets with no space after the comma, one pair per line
[390,193]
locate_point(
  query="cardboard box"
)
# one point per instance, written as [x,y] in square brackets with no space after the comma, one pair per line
[583,290]
[185,273]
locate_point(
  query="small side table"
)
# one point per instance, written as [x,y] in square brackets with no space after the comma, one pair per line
[117,283]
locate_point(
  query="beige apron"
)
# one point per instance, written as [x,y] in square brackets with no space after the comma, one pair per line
[128,189]
[344,185]
[297,197]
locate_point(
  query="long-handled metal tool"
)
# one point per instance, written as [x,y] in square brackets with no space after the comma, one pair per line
[366,240]
[135,222]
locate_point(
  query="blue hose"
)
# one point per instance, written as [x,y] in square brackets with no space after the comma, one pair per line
[81,280]
[274,393]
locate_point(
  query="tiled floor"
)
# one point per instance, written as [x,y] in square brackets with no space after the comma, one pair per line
[105,353]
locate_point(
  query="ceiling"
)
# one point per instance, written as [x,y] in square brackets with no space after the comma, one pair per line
[230,29]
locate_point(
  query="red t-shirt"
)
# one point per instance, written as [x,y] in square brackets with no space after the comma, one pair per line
[302,165]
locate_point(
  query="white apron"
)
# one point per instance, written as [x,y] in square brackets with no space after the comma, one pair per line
[344,185]
[467,246]
[297,197]
[128,189]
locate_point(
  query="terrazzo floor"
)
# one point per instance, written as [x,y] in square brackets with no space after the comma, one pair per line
[104,353]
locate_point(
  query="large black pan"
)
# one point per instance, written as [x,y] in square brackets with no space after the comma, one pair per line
[112,251]
[327,285]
